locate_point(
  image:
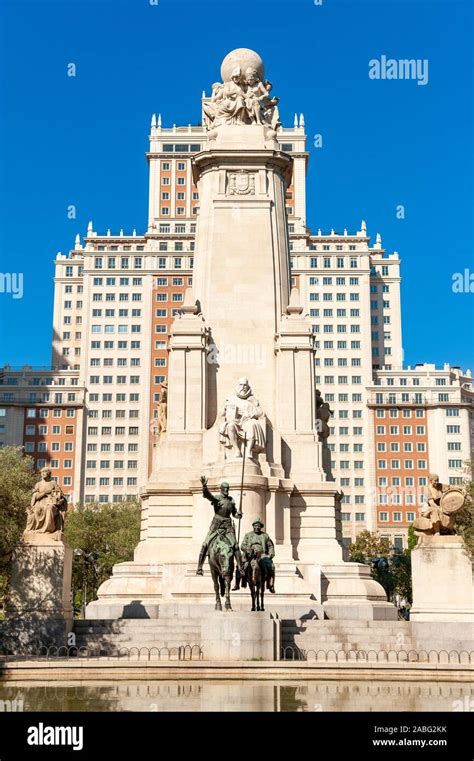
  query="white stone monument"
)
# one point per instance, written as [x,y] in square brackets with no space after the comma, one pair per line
[242,364]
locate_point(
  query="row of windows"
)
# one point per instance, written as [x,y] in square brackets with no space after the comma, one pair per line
[120,313]
[179,228]
[347,481]
[109,281]
[396,481]
[344,430]
[96,328]
[54,446]
[344,414]
[328,262]
[339,344]
[398,499]
[358,516]
[346,464]
[359,499]
[397,517]
[108,448]
[116,481]
[395,446]
[104,498]
[109,362]
[180,211]
[54,464]
[341,362]
[343,379]
[161,262]
[407,464]
[162,282]
[106,464]
[393,398]
[345,447]
[313,280]
[394,413]
[178,246]
[41,412]
[30,430]
[108,379]
[107,397]
[180,195]
[355,328]
[111,344]
[404,381]
[111,296]
[133,430]
[327,296]
[114,413]
[166,166]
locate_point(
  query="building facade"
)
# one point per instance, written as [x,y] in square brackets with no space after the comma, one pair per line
[115,299]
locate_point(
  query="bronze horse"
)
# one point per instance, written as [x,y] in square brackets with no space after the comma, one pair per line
[221,563]
[257,574]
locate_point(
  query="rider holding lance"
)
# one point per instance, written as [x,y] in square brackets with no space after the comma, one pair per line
[224,510]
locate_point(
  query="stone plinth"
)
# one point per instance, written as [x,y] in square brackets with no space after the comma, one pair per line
[349,592]
[442,580]
[39,610]
[235,637]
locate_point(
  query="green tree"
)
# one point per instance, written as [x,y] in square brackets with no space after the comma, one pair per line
[465,518]
[368,546]
[16,483]
[107,534]
[392,571]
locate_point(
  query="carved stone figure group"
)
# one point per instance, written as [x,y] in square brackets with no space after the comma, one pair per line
[244,99]
[438,514]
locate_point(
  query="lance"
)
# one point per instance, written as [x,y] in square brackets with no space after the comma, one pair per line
[242,487]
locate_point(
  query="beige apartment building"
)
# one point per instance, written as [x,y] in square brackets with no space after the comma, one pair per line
[116,296]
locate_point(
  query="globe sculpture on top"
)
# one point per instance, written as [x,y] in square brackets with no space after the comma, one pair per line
[244,95]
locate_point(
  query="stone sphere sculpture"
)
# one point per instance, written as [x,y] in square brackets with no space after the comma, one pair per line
[243,58]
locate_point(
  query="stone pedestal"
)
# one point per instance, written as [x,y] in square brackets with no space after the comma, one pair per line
[39,610]
[350,593]
[442,580]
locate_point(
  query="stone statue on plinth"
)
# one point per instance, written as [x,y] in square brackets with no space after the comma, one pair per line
[438,514]
[162,417]
[39,605]
[323,414]
[241,426]
[47,509]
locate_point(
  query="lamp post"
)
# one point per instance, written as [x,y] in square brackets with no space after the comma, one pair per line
[88,559]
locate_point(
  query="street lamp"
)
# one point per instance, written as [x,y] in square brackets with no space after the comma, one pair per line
[88,559]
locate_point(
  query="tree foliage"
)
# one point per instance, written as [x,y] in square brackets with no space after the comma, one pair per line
[368,546]
[392,571]
[16,483]
[110,533]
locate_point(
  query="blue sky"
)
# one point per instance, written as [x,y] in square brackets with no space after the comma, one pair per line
[82,140]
